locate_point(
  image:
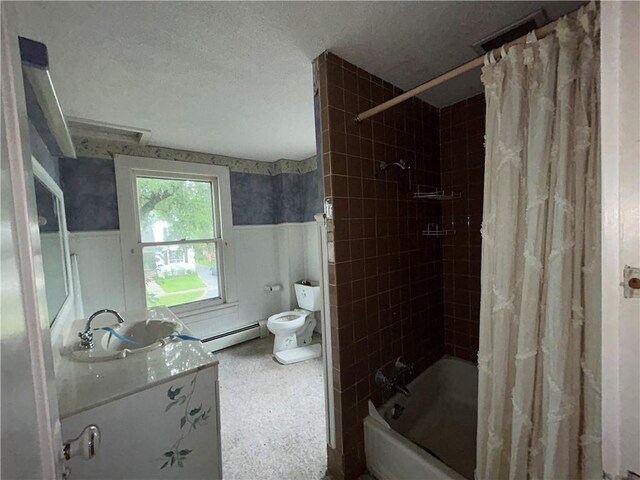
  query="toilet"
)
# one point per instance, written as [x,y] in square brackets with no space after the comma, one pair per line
[293,329]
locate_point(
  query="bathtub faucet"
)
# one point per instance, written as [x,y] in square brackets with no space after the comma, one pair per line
[392,384]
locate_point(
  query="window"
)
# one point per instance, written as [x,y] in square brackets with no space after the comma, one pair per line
[172,220]
[179,232]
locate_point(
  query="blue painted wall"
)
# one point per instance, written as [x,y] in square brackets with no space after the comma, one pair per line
[91,200]
[284,198]
[253,199]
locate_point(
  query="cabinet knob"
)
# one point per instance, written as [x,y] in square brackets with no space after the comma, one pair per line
[86,445]
[634,283]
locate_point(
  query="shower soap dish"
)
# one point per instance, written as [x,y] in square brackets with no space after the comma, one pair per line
[435,230]
[434,193]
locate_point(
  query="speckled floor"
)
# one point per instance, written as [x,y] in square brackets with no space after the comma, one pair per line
[272,416]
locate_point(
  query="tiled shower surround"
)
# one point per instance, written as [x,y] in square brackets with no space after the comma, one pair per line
[385,284]
[387,281]
[462,164]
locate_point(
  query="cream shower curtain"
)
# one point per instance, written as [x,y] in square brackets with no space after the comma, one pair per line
[539,358]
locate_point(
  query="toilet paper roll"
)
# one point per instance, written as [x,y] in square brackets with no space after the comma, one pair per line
[272,288]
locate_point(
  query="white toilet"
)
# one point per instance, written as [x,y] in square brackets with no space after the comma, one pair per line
[294,329]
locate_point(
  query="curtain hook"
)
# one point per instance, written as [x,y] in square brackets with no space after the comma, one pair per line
[531,37]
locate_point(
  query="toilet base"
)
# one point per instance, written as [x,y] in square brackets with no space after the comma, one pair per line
[284,342]
[299,354]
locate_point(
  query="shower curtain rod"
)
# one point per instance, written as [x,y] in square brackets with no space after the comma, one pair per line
[478,62]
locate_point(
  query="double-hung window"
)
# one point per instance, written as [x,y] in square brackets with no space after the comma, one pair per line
[180,239]
[174,241]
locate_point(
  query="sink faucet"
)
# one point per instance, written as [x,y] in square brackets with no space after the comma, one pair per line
[86,336]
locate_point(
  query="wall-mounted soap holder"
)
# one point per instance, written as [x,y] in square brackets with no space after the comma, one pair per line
[434,193]
[436,230]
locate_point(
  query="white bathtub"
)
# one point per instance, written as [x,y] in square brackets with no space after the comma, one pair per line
[439,420]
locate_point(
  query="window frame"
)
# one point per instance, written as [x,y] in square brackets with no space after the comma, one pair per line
[216,239]
[128,169]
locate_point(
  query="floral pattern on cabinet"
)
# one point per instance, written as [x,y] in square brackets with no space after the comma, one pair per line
[174,423]
[190,420]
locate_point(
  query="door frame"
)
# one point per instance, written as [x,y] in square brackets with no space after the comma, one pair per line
[31,441]
[620,76]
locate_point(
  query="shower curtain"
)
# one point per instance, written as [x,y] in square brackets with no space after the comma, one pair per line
[539,357]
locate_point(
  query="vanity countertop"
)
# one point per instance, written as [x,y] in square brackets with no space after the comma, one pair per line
[85,385]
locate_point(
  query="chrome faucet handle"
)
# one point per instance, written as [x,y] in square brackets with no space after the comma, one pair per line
[86,339]
[392,384]
[382,379]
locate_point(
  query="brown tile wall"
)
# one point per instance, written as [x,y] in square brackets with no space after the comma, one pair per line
[462,128]
[385,290]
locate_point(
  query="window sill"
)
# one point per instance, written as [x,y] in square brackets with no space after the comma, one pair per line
[222,309]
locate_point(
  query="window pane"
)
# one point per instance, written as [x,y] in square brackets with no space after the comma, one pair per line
[172,210]
[179,274]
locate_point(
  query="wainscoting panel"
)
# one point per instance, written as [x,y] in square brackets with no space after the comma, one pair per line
[100,269]
[265,255]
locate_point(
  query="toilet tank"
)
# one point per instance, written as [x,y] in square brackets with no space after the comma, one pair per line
[308,295]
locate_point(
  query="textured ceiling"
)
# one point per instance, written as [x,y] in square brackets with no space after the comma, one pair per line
[235,78]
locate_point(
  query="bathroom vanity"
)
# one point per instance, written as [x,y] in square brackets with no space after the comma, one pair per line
[151,389]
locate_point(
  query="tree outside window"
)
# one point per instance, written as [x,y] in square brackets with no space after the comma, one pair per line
[177,221]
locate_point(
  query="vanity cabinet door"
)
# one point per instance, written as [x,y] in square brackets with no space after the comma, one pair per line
[168,431]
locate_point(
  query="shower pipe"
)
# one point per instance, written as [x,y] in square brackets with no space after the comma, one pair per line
[383,166]
[478,62]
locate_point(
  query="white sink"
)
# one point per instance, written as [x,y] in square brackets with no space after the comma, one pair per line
[140,336]
[119,341]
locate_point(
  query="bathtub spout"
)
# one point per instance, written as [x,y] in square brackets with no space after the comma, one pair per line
[403,390]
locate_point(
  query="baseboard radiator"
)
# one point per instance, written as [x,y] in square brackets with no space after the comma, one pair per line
[227,339]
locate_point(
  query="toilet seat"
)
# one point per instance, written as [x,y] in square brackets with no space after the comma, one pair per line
[292,319]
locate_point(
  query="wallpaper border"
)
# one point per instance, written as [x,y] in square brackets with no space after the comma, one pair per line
[86,147]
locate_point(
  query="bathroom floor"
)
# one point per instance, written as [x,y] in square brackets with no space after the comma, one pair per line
[272,416]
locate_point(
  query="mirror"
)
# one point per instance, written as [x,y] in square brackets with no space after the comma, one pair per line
[53,241]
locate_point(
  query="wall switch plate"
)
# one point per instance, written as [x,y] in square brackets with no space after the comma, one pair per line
[328,208]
